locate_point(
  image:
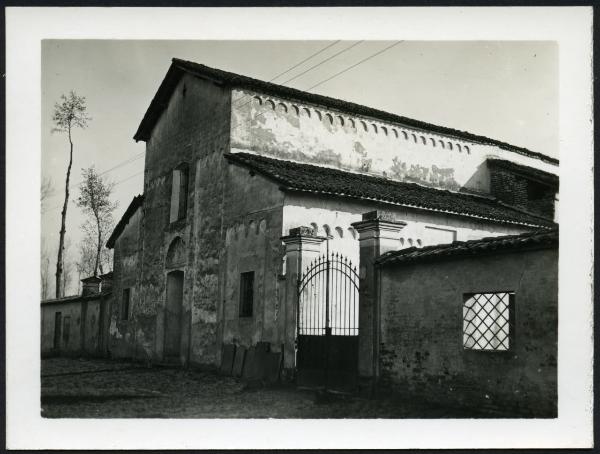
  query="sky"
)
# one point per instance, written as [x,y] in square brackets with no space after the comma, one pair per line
[505,90]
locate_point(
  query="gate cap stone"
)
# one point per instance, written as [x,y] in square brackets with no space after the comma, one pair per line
[379,215]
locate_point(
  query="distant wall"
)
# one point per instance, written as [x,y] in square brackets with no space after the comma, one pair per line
[421,350]
[83,326]
[310,133]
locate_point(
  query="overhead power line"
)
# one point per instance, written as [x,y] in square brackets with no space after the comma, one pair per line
[116,184]
[294,66]
[369,57]
[139,155]
[355,65]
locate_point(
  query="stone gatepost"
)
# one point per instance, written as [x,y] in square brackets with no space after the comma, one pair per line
[301,247]
[378,233]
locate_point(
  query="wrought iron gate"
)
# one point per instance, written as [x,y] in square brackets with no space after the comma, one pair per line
[327,317]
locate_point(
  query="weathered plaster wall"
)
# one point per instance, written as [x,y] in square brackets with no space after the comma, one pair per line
[126,270]
[253,216]
[310,133]
[421,332]
[193,130]
[86,331]
[70,341]
[422,229]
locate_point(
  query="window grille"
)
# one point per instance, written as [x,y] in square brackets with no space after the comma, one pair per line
[246,293]
[488,321]
[125,305]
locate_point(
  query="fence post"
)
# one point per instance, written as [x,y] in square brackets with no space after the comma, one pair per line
[301,247]
[378,233]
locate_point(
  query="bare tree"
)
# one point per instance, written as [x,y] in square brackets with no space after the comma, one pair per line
[67,267]
[88,249]
[45,271]
[94,199]
[69,114]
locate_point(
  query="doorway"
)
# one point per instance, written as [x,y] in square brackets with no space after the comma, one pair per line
[173,310]
[57,330]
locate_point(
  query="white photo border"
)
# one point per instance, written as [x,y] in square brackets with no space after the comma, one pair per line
[571,27]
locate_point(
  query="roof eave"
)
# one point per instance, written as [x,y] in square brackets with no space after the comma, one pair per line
[418,207]
[284,186]
[458,254]
[158,103]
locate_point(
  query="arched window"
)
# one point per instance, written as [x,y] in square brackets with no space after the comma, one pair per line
[179,193]
[175,254]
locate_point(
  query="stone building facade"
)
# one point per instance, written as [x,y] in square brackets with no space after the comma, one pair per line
[233,163]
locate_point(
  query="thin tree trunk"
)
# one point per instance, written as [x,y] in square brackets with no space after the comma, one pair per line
[98,247]
[61,241]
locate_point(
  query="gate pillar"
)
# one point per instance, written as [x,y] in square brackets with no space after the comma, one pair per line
[378,233]
[301,247]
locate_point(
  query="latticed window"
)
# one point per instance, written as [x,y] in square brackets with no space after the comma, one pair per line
[488,321]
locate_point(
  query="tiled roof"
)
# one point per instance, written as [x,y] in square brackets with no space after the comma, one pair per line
[315,179]
[530,172]
[531,240]
[179,67]
[131,209]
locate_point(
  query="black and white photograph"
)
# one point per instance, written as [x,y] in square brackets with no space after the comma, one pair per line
[327,229]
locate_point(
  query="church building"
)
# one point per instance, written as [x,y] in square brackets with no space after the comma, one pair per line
[249,184]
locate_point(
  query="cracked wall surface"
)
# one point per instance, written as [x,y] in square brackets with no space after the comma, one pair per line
[289,129]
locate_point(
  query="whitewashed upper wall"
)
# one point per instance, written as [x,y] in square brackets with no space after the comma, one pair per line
[329,216]
[303,132]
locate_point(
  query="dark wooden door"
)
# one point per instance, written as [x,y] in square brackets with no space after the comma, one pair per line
[173,311]
[57,330]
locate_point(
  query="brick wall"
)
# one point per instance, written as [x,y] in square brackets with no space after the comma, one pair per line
[421,351]
[522,192]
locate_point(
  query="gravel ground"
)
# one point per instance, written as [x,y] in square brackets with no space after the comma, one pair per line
[105,389]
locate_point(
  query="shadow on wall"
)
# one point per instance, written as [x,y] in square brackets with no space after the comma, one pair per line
[479,181]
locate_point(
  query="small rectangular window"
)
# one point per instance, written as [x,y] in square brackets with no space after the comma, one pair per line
[488,320]
[183,193]
[125,304]
[179,190]
[246,293]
